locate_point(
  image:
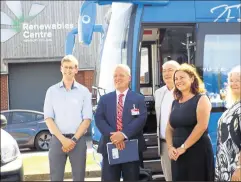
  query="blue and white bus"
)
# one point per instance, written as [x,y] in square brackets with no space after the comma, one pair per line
[145,34]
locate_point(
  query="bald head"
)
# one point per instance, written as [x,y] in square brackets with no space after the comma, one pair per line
[168,70]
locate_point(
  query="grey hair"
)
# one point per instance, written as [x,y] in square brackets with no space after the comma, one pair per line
[171,62]
[70,58]
[230,97]
[124,67]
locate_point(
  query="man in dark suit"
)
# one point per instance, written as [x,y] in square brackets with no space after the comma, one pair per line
[116,121]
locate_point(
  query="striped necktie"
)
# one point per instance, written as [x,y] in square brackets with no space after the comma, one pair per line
[120,112]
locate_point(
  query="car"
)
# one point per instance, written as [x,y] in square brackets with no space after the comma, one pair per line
[28,128]
[11,160]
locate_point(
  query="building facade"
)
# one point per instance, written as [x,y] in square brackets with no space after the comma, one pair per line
[33,36]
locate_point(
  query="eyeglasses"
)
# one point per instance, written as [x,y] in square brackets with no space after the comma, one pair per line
[68,67]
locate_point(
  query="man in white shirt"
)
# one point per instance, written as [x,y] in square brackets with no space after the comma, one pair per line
[163,101]
[68,114]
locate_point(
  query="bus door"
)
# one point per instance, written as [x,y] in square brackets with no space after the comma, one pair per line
[160,43]
[149,82]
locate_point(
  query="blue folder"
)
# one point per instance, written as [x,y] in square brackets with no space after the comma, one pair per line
[129,154]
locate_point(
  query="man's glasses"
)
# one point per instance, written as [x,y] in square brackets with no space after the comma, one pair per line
[68,67]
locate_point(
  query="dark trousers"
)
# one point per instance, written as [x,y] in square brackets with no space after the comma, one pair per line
[130,171]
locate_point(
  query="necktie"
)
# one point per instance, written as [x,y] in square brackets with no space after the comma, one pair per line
[119,112]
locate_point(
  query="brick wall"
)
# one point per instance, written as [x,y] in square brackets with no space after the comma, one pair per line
[4,91]
[85,78]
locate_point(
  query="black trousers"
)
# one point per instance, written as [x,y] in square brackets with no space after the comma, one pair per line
[129,171]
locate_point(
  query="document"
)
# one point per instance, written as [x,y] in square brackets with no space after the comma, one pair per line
[129,154]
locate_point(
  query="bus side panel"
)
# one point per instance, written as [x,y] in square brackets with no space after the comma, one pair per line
[217,11]
[212,129]
[175,11]
[96,135]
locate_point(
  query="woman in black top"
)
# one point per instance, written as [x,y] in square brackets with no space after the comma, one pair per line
[189,145]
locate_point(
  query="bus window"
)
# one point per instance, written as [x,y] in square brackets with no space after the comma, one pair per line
[115,45]
[145,71]
[221,53]
[218,51]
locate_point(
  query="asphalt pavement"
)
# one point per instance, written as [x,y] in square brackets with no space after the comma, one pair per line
[26,152]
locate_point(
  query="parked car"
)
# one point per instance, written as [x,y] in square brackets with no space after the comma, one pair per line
[28,128]
[11,160]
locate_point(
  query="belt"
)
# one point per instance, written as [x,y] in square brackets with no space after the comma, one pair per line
[68,135]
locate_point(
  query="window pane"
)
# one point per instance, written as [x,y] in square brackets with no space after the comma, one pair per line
[144,73]
[39,117]
[146,90]
[22,117]
[221,54]
[115,46]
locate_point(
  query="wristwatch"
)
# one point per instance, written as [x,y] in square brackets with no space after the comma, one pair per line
[183,146]
[74,139]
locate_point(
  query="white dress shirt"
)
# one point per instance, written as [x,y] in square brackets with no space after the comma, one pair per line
[123,98]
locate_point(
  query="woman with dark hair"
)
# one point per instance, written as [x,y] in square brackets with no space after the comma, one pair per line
[228,158]
[189,145]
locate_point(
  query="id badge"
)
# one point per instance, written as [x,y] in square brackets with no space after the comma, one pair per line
[115,153]
[134,111]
